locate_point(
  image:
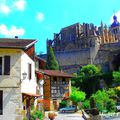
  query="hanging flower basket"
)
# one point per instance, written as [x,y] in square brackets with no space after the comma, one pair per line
[39,76]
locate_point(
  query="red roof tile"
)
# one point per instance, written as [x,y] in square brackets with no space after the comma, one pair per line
[40,59]
[57,73]
[16,43]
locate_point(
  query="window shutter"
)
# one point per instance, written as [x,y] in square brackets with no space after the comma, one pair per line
[30,71]
[0,65]
[6,65]
[1,102]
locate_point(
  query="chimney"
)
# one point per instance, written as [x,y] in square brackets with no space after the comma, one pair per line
[16,37]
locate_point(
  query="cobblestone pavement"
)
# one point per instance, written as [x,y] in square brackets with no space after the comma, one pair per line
[66,116]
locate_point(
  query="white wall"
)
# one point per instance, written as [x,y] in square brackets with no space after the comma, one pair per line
[28,86]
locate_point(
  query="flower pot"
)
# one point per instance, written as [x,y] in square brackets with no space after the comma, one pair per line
[51,116]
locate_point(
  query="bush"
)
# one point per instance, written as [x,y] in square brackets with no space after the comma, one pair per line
[86,104]
[103,101]
[110,105]
[37,114]
[92,102]
[63,104]
[117,89]
[24,118]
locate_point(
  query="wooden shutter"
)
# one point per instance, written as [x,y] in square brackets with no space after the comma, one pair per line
[30,71]
[0,65]
[1,102]
[6,65]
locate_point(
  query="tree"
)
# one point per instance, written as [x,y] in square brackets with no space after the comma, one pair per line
[88,79]
[77,96]
[104,101]
[52,63]
[116,77]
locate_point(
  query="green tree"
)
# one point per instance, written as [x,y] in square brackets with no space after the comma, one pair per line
[86,104]
[103,100]
[88,79]
[52,63]
[116,77]
[77,96]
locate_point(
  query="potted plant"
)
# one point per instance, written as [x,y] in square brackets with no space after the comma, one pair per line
[51,115]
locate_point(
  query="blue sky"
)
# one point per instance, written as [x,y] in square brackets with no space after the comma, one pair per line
[39,19]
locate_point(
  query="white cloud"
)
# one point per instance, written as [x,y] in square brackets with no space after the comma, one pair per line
[20,4]
[40,16]
[7,6]
[13,31]
[5,9]
[118,16]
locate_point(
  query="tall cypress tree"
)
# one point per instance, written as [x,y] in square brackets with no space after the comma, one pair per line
[52,63]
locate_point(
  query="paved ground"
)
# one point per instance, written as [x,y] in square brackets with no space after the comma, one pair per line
[78,116]
[114,116]
[66,116]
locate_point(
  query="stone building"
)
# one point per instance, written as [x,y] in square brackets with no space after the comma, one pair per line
[80,44]
[17,78]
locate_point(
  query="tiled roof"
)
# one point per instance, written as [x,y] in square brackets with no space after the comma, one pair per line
[57,73]
[31,94]
[16,43]
[38,58]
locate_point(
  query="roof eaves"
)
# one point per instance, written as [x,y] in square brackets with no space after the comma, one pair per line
[29,45]
[14,47]
[67,76]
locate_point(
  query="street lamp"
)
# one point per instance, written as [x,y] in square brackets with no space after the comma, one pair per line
[41,82]
[24,76]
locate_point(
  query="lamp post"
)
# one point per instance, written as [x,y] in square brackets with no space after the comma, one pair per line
[24,76]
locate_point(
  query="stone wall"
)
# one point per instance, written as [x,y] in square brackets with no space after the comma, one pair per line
[15,61]
[98,54]
[12,97]
[12,100]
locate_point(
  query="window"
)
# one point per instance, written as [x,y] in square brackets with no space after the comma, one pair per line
[0,65]
[1,102]
[63,81]
[5,65]
[29,71]
[55,92]
[54,81]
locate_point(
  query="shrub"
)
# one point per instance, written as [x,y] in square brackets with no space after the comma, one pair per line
[24,118]
[103,101]
[117,89]
[77,96]
[63,104]
[110,105]
[92,102]
[37,114]
[86,104]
